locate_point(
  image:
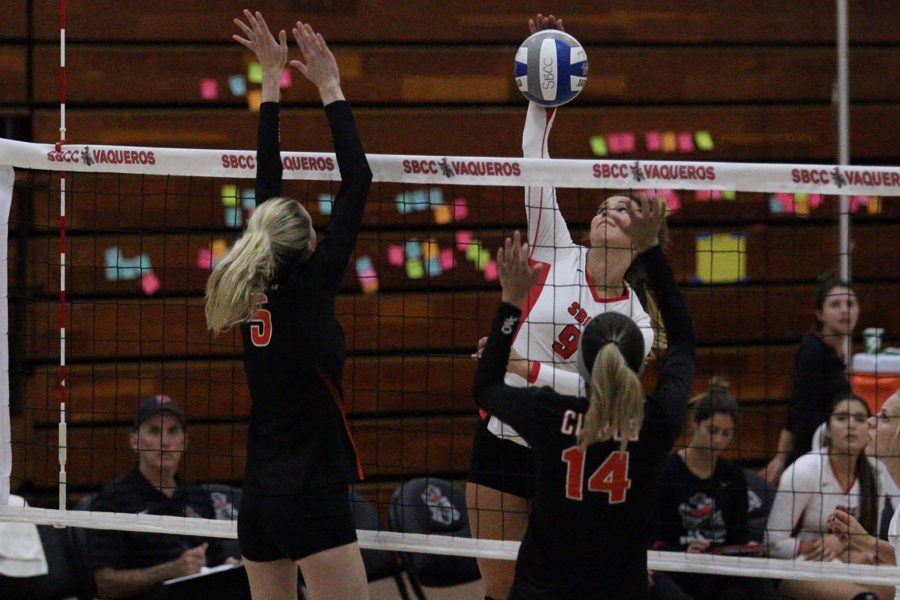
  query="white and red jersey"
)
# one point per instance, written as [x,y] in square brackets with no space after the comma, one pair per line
[565,298]
[809,491]
[894,539]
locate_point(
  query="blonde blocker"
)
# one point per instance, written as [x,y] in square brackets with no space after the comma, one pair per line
[279,230]
[616,400]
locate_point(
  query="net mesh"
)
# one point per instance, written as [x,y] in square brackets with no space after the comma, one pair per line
[144,227]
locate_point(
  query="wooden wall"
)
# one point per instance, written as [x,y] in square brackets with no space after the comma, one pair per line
[433,78]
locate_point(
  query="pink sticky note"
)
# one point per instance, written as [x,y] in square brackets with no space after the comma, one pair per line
[786,201]
[685,141]
[285,78]
[703,195]
[815,200]
[463,240]
[654,141]
[673,202]
[209,89]
[150,283]
[490,271]
[204,258]
[395,255]
[460,209]
[447,259]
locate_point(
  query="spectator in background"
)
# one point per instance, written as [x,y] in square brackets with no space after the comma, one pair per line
[820,372]
[815,486]
[134,564]
[702,501]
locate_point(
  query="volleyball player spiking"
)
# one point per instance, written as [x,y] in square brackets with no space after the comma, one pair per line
[596,456]
[279,285]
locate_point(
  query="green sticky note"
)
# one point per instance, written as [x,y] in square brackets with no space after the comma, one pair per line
[721,257]
[415,269]
[254,72]
[598,145]
[729,195]
[484,257]
[229,195]
[704,140]
[474,250]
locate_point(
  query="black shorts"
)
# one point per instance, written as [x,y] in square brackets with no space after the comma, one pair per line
[294,527]
[501,464]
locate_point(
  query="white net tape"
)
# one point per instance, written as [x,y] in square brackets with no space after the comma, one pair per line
[482,171]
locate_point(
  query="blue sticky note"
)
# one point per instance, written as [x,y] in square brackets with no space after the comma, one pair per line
[145,264]
[248,199]
[433,267]
[363,265]
[238,85]
[234,217]
[111,262]
[435,196]
[326,203]
[413,249]
[775,206]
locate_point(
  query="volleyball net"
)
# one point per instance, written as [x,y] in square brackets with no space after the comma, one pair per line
[109,249]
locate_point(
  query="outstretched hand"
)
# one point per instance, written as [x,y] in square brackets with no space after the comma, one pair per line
[517,277]
[644,224]
[318,64]
[272,54]
[540,22]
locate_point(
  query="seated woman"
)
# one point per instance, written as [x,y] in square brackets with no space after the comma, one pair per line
[702,500]
[816,485]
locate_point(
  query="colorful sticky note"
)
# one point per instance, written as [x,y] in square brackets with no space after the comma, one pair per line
[801,205]
[254,99]
[285,81]
[874,205]
[668,141]
[219,249]
[775,207]
[721,257]
[395,255]
[248,199]
[415,269]
[815,200]
[448,260]
[204,258]
[368,281]
[473,250]
[209,89]
[229,195]
[413,249]
[598,145]
[442,214]
[685,142]
[484,257]
[254,72]
[460,209]
[234,217]
[111,262]
[490,271]
[654,141]
[237,85]
[150,283]
[707,195]
[430,249]
[704,140]
[364,265]
[326,204]
[433,266]
[620,143]
[463,240]
[412,201]
[729,195]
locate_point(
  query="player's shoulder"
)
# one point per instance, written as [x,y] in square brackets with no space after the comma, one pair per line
[806,470]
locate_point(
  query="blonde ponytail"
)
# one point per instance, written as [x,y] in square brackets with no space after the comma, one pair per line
[278,230]
[616,400]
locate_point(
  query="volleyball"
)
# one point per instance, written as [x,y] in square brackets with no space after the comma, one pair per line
[551,67]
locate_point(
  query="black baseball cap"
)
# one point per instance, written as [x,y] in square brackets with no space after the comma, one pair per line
[157,404]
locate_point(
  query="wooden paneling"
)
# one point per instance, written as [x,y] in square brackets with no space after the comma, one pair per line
[417,322]
[12,73]
[118,76]
[15,19]
[747,132]
[694,21]
[773,254]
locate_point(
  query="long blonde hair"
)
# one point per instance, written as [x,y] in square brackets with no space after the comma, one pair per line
[279,231]
[614,347]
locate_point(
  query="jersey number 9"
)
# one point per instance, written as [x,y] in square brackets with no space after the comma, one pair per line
[261,328]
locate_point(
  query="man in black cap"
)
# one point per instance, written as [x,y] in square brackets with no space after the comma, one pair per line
[133,564]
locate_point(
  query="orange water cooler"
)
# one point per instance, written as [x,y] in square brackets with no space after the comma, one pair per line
[876,376]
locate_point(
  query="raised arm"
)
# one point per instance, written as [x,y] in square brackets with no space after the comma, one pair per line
[320,68]
[272,56]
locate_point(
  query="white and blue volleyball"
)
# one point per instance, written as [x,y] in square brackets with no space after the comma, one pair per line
[551,68]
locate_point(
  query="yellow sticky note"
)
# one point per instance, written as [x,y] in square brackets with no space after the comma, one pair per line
[442,214]
[254,99]
[415,269]
[598,145]
[669,141]
[874,205]
[729,195]
[229,195]
[801,205]
[721,257]
[219,249]
[254,72]
[430,249]
[704,140]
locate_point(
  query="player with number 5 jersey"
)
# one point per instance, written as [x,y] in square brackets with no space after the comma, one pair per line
[596,456]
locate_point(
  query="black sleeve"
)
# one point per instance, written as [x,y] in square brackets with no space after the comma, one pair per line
[738,530]
[674,384]
[268,153]
[346,217]
[808,395]
[513,405]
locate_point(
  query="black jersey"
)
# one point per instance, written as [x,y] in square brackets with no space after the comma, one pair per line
[588,528]
[294,348]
